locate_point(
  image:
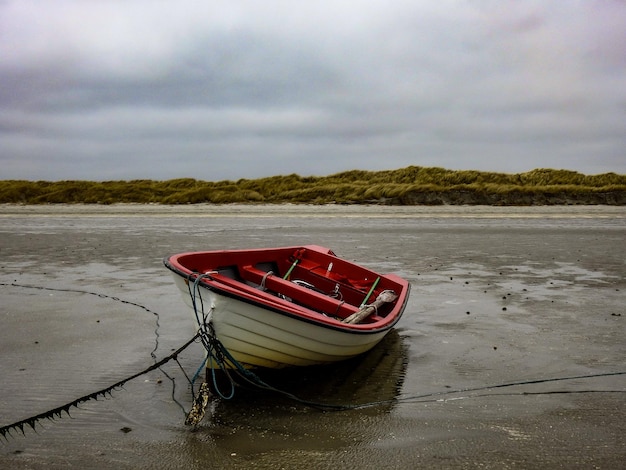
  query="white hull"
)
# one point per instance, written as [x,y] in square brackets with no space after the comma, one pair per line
[255,336]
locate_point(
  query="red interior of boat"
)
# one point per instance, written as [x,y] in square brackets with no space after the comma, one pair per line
[311,277]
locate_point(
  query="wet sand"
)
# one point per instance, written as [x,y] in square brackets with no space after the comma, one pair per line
[499,295]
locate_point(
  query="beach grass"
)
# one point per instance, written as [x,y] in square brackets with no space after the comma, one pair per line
[410,185]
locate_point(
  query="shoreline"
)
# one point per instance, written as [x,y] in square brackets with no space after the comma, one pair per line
[309,210]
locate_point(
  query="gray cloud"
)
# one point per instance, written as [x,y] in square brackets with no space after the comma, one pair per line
[225,90]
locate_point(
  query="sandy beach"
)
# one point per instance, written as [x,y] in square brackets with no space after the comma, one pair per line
[515,295]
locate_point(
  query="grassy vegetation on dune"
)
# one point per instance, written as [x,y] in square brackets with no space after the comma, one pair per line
[411,185]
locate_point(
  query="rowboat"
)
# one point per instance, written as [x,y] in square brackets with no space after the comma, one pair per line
[289,306]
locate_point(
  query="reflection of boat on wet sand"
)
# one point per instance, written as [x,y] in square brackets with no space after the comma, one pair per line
[373,377]
[291,306]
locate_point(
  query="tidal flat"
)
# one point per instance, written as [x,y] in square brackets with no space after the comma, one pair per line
[510,353]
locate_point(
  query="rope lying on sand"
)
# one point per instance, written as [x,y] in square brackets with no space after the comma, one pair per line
[57,412]
[99,295]
[216,350]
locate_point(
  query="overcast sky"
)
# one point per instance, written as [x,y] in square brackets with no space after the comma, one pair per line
[129,89]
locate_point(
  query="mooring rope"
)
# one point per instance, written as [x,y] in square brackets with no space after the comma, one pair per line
[57,412]
[252,379]
[216,351]
[117,299]
[419,398]
[228,364]
[217,354]
[100,295]
[157,365]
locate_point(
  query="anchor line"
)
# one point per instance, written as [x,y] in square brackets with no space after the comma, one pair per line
[218,355]
[102,296]
[117,299]
[217,352]
[57,412]
[157,365]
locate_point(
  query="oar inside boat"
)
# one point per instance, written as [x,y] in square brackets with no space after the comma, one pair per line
[385,297]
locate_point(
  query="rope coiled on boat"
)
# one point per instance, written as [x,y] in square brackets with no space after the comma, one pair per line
[217,355]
